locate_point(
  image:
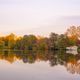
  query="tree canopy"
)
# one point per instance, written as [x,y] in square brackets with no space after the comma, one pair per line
[31,42]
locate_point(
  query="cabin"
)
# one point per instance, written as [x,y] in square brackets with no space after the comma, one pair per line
[72,50]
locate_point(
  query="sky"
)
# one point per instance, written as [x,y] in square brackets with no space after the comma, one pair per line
[39,17]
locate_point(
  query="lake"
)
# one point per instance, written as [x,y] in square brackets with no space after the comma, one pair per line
[39,65]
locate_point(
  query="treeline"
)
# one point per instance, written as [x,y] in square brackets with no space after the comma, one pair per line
[30,42]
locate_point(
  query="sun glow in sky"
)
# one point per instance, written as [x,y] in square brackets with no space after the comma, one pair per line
[38,17]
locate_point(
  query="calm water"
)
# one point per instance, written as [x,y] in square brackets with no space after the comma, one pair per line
[40,65]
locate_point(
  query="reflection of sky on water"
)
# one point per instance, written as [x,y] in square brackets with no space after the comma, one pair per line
[39,65]
[37,71]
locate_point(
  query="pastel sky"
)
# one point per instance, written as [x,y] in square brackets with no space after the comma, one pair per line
[38,17]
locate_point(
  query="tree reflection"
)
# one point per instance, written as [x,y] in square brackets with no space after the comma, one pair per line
[70,61]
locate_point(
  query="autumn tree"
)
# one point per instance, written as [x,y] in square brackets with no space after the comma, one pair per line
[10,41]
[73,34]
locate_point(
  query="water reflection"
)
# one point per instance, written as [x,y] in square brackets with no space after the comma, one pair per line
[70,61]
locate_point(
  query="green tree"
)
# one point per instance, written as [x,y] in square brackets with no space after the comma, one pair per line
[53,40]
